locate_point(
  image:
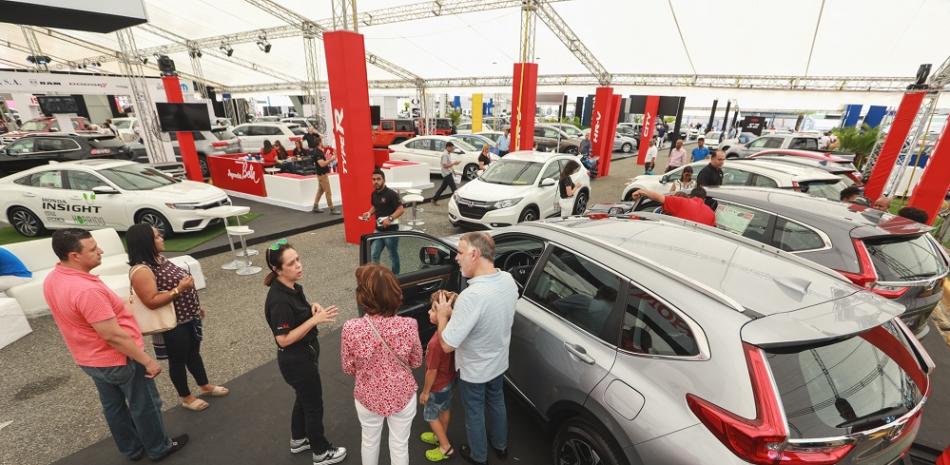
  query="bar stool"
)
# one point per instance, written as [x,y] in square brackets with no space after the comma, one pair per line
[416,191]
[241,231]
[224,212]
[414,199]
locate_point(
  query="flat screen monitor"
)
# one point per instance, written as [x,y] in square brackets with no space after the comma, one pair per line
[57,104]
[175,117]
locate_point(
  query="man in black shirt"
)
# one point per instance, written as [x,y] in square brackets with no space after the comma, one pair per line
[711,174]
[312,138]
[387,206]
[322,167]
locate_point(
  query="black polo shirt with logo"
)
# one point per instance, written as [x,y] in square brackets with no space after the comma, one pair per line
[286,309]
[385,201]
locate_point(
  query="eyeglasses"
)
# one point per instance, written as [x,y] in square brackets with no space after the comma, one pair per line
[277,244]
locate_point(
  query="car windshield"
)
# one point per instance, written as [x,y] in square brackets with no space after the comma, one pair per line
[511,172]
[35,125]
[137,177]
[572,131]
[905,258]
[850,385]
[830,190]
[122,123]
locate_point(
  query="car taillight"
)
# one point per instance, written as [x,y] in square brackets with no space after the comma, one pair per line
[100,151]
[867,279]
[220,144]
[296,138]
[762,440]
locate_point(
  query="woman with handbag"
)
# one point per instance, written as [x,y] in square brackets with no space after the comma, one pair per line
[293,321]
[380,350]
[158,283]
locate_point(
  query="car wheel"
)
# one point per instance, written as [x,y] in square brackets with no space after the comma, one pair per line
[157,220]
[580,203]
[626,147]
[579,442]
[26,222]
[571,150]
[629,196]
[732,156]
[529,214]
[470,172]
[204,167]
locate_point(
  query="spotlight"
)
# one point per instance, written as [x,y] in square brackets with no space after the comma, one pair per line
[227,49]
[99,64]
[263,44]
[194,53]
[39,59]
[166,66]
[144,60]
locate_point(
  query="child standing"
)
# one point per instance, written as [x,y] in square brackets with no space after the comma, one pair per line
[437,392]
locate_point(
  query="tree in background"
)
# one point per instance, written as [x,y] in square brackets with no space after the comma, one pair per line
[859,141]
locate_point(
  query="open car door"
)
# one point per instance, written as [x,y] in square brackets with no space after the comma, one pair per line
[422,263]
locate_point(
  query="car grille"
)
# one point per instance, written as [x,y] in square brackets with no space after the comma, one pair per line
[224,201]
[472,208]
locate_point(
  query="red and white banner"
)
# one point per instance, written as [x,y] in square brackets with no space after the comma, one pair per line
[896,135]
[649,127]
[352,128]
[233,173]
[186,140]
[524,95]
[600,146]
[934,183]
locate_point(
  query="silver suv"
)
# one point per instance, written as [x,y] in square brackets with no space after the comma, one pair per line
[654,340]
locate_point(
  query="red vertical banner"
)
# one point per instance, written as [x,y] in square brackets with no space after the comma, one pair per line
[896,135]
[186,140]
[603,100]
[611,132]
[524,98]
[934,183]
[649,127]
[352,129]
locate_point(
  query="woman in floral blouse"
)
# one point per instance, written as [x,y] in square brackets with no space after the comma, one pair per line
[380,350]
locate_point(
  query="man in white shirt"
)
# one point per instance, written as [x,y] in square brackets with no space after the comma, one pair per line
[650,161]
[678,156]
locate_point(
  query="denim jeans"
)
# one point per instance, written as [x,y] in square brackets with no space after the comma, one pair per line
[477,398]
[133,409]
[391,243]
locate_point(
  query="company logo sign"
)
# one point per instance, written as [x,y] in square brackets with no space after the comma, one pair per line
[647,128]
[339,132]
[247,172]
[596,131]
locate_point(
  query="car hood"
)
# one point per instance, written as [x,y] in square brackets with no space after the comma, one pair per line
[191,191]
[646,178]
[489,192]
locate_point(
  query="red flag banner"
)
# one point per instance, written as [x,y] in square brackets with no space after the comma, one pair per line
[903,120]
[649,127]
[524,95]
[934,183]
[186,140]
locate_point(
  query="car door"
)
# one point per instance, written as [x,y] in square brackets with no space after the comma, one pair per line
[20,155]
[745,221]
[49,198]
[544,143]
[424,264]
[560,345]
[407,152]
[433,156]
[548,195]
[243,133]
[97,209]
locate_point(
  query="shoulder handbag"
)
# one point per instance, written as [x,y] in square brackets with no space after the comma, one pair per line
[150,320]
[391,352]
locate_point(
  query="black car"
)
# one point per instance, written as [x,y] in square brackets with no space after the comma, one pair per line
[889,255]
[39,149]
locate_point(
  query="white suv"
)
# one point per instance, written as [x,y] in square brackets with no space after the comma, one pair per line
[253,135]
[761,173]
[522,186]
[428,150]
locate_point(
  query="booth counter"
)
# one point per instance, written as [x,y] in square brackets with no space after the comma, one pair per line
[407,173]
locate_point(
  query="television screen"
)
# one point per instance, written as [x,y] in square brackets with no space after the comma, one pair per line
[174,117]
[53,104]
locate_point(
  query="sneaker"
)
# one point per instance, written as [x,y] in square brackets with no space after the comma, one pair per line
[318,210]
[466,452]
[335,211]
[502,454]
[139,456]
[332,455]
[178,442]
[299,445]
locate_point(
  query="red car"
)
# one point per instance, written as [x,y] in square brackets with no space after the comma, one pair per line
[822,157]
[393,131]
[48,124]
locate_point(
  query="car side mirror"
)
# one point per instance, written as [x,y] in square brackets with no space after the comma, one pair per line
[104,190]
[546,182]
[433,256]
[665,179]
[458,152]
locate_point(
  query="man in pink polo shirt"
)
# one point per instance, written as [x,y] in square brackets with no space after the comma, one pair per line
[104,340]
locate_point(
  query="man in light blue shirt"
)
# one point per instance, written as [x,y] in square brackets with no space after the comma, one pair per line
[504,143]
[480,333]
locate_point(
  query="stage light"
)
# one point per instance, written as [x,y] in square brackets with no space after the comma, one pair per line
[194,53]
[263,44]
[144,60]
[166,66]
[227,49]
[39,59]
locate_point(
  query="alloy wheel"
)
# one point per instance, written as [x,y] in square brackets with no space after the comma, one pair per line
[25,222]
[627,148]
[580,203]
[577,452]
[471,171]
[157,220]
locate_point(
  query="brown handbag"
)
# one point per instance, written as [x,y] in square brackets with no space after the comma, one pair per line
[150,320]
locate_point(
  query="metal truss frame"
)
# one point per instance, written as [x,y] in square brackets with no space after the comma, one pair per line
[562,31]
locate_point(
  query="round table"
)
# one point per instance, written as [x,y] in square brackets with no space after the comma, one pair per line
[223,212]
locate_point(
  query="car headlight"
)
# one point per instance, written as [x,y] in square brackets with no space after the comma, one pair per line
[455,197]
[507,203]
[182,206]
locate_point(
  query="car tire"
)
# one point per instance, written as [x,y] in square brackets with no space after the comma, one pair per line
[155,219]
[629,196]
[580,203]
[203,162]
[529,214]
[579,441]
[571,151]
[25,222]
[732,156]
[627,147]
[470,172]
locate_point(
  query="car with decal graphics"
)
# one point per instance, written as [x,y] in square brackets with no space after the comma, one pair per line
[93,194]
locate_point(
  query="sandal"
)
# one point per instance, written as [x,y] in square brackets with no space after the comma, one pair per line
[196,405]
[217,391]
[436,455]
[429,438]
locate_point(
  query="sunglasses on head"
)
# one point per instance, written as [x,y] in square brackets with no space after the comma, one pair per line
[276,245]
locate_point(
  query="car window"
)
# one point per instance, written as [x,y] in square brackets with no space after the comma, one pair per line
[82,180]
[905,258]
[578,290]
[254,130]
[273,131]
[548,132]
[420,144]
[538,132]
[137,177]
[552,171]
[743,221]
[47,179]
[758,143]
[52,144]
[438,145]
[830,190]
[763,181]
[651,327]
[241,131]
[734,177]
[773,142]
[804,143]
[21,146]
[387,125]
[794,237]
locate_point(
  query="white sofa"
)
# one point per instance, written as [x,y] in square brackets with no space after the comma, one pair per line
[38,257]
[13,324]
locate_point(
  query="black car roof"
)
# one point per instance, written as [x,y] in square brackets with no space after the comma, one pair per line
[827,215]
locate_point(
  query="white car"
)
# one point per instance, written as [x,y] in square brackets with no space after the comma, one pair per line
[253,135]
[428,150]
[522,186]
[711,139]
[128,128]
[761,173]
[93,194]
[622,143]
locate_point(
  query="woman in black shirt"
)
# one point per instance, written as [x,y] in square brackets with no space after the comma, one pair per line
[567,190]
[484,158]
[294,320]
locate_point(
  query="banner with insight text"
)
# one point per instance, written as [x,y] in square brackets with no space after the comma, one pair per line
[352,129]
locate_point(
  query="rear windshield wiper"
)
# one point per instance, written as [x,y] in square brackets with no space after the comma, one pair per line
[875,419]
